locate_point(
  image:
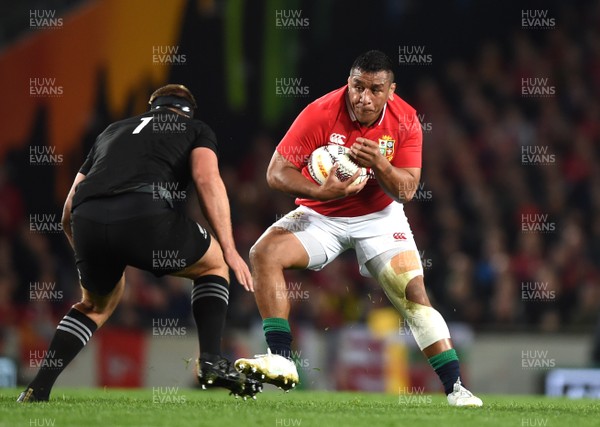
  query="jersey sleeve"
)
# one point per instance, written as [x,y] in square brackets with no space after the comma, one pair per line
[205,137]
[410,146]
[304,136]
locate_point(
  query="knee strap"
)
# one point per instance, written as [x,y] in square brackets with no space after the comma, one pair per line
[394,271]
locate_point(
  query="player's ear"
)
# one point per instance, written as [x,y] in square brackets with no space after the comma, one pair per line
[391,91]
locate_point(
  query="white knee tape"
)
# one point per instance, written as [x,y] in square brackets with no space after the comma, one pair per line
[426,324]
[394,271]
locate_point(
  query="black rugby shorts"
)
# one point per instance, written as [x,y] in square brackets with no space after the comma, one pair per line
[132,229]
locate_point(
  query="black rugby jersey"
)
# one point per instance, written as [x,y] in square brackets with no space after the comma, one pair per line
[152,149]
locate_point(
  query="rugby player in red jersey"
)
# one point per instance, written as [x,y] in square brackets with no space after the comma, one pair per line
[384,135]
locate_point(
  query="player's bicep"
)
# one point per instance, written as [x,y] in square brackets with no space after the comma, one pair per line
[204,165]
[280,169]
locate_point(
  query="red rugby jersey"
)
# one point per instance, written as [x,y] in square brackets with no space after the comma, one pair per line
[330,120]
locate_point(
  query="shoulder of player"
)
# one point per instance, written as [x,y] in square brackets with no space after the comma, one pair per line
[201,126]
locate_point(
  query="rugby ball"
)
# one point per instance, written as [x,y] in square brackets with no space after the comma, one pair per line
[323,158]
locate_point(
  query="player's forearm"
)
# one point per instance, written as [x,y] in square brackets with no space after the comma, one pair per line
[66,225]
[292,182]
[215,204]
[397,183]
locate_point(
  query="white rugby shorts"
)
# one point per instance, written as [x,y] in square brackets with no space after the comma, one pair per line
[324,238]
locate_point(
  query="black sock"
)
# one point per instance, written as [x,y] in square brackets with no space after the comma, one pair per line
[72,334]
[280,342]
[447,367]
[210,296]
[448,374]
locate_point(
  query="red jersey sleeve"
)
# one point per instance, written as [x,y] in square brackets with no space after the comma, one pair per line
[304,136]
[410,144]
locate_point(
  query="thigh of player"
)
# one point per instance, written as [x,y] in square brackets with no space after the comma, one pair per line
[383,236]
[322,238]
[166,243]
[99,268]
[110,234]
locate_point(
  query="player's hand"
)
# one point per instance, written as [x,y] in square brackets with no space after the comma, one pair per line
[366,153]
[240,269]
[333,188]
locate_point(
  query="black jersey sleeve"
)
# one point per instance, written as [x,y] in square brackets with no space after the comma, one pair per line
[205,137]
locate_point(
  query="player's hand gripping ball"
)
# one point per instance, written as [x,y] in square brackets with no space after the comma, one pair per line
[323,158]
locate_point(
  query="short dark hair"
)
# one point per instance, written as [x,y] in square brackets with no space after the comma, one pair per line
[372,62]
[174,90]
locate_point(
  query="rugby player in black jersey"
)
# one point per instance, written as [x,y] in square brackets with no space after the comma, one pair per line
[119,213]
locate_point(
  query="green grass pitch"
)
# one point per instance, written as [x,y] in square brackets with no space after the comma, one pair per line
[188,407]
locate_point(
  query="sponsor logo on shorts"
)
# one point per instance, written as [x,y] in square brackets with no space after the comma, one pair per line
[202,230]
[399,236]
[294,221]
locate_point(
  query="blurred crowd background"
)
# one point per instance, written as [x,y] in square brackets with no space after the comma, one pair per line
[490,219]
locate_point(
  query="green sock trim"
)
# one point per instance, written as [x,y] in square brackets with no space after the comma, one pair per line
[273,324]
[441,359]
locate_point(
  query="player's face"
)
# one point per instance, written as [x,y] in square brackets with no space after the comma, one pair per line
[368,93]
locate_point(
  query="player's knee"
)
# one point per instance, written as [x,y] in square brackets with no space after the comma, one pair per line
[426,324]
[214,266]
[401,276]
[221,271]
[415,291]
[279,250]
[263,251]
[90,304]
[211,263]
[396,270]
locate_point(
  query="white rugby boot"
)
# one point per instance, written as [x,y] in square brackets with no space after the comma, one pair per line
[460,396]
[270,368]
